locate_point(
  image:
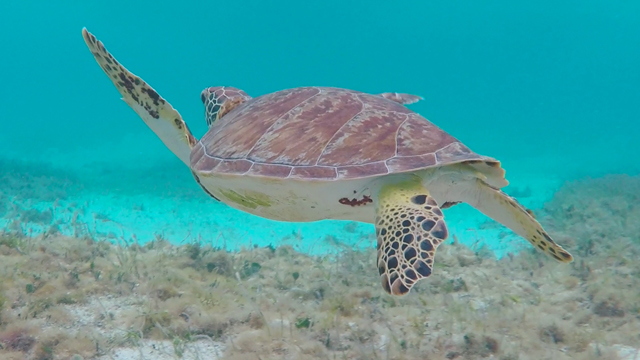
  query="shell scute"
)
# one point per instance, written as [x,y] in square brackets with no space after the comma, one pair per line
[359,171]
[324,134]
[234,136]
[367,137]
[398,164]
[235,166]
[270,170]
[455,151]
[418,137]
[314,173]
[299,137]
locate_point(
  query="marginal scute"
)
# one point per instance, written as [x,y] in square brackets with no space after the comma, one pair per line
[401,164]
[234,166]
[453,152]
[356,171]
[205,164]
[271,170]
[314,172]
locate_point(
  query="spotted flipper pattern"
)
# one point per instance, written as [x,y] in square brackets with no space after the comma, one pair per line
[156,112]
[509,212]
[409,227]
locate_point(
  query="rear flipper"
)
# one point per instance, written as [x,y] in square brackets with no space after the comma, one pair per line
[507,211]
[409,226]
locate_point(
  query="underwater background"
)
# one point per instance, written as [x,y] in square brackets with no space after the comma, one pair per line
[549,88]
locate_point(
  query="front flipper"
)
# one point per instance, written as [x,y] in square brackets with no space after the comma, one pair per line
[409,227]
[507,211]
[155,111]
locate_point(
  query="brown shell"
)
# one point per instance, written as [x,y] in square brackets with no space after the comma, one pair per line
[316,133]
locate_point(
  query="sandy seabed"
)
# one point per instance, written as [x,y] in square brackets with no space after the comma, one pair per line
[85,297]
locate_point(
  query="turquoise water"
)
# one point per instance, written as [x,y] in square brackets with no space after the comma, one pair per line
[549,88]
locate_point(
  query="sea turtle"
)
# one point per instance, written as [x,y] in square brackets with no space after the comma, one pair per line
[313,153]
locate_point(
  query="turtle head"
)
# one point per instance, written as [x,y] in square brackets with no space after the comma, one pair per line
[219,100]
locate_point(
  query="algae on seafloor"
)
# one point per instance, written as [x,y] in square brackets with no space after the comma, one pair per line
[88,297]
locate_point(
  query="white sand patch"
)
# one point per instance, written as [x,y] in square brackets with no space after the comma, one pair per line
[166,350]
